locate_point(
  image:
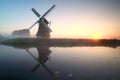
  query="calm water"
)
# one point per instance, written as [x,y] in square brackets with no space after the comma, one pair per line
[59,63]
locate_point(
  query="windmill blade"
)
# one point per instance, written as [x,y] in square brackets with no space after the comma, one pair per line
[36,13]
[33,25]
[48,11]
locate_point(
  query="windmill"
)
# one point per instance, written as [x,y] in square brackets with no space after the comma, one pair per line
[43,30]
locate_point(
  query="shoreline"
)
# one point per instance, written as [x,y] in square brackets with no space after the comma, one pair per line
[61,42]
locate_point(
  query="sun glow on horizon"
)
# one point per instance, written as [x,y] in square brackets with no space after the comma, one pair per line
[96,37]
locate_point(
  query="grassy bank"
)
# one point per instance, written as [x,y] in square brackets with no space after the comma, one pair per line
[62,42]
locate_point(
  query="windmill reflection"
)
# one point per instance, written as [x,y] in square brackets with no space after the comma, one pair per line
[43,56]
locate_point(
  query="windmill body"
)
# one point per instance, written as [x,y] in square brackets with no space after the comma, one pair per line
[43,30]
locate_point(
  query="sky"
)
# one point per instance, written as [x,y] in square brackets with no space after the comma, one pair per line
[69,19]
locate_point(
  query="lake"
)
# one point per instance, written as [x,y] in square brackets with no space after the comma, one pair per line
[59,63]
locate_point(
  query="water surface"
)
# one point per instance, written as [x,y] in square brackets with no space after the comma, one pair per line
[59,63]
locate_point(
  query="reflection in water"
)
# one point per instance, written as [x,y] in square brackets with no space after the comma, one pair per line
[43,53]
[71,63]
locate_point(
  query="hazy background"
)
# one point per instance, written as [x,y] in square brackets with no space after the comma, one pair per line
[70,18]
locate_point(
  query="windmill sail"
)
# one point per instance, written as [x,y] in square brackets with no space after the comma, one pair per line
[48,11]
[33,25]
[36,13]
